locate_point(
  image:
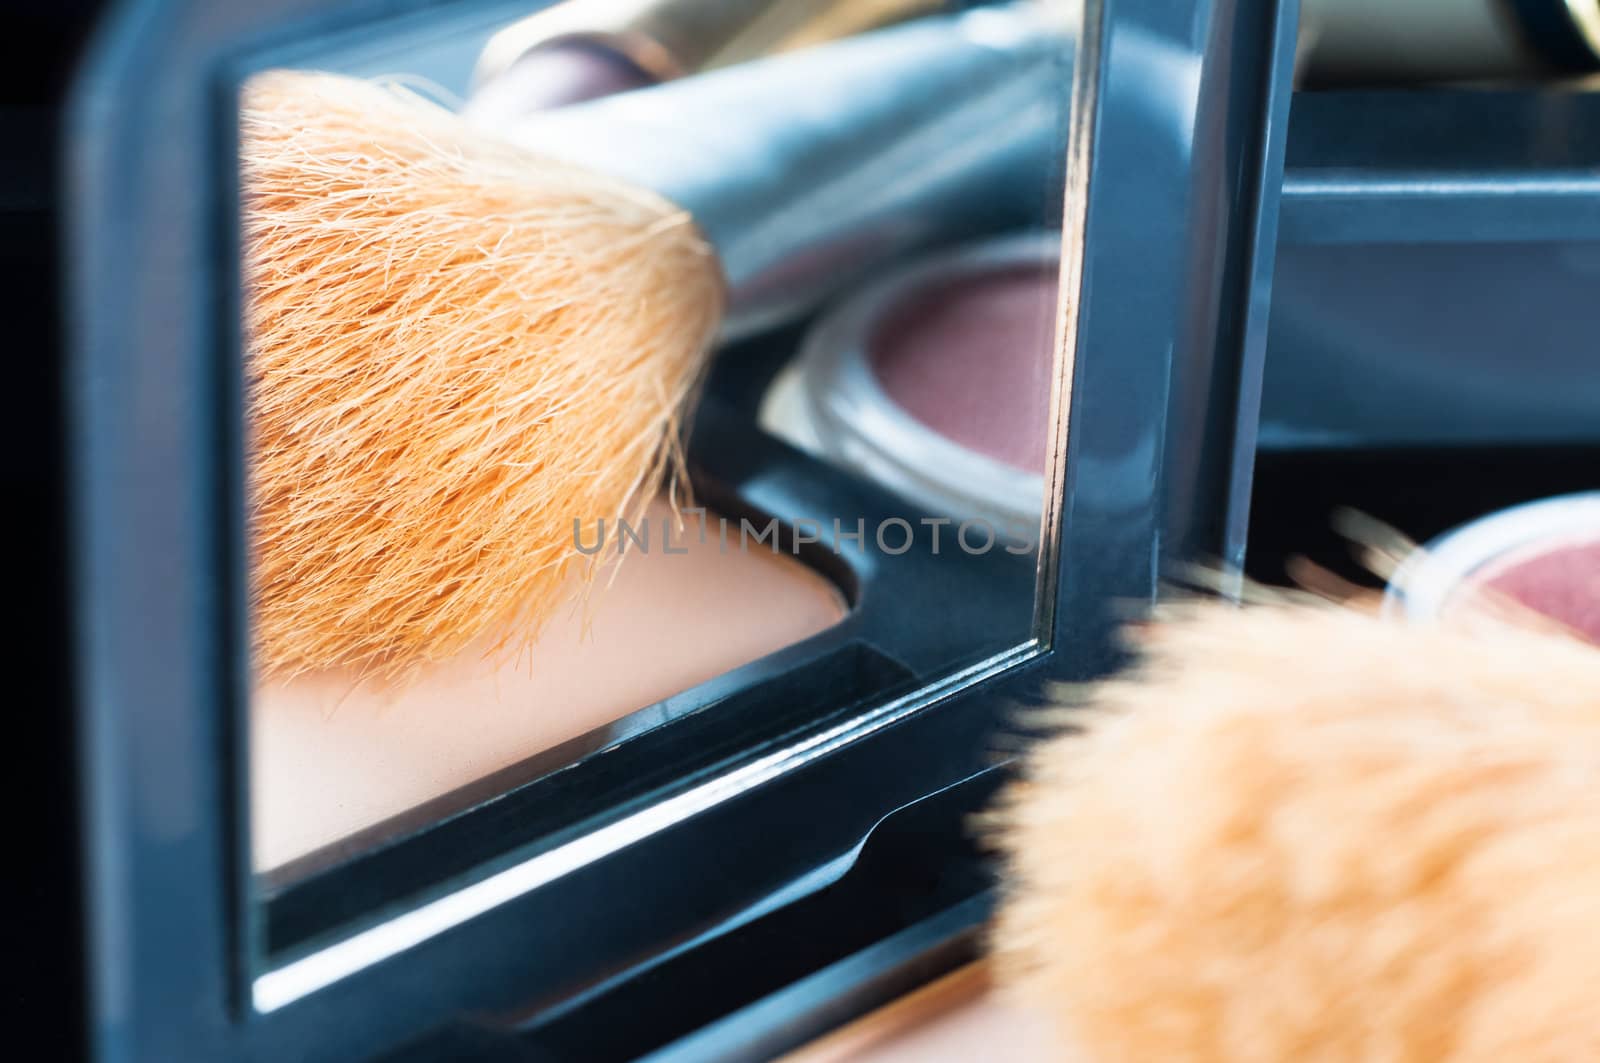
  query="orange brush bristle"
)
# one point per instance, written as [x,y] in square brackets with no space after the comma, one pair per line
[455,350]
[1301,832]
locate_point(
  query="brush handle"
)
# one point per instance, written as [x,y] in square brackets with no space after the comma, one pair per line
[805,170]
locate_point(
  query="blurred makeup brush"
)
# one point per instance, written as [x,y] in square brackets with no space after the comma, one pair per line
[462,342]
[1305,832]
[582,49]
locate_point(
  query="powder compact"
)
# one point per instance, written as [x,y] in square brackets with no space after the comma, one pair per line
[561,553]
[1541,556]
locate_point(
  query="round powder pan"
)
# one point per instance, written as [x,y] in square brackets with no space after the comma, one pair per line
[935,381]
[1544,556]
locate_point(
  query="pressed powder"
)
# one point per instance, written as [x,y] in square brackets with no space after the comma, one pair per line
[970,357]
[937,380]
[1559,579]
[331,755]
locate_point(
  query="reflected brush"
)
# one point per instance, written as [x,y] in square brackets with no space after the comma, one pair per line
[461,341]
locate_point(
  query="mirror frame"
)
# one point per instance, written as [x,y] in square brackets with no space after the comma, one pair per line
[1176,185]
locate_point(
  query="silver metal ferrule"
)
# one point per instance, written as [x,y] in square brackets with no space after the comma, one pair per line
[807,169]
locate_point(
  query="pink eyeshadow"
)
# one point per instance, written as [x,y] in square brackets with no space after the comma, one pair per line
[971,359]
[1562,583]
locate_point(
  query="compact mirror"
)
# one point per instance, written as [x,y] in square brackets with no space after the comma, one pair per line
[627,395]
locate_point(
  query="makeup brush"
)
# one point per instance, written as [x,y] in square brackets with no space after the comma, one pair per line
[463,342]
[582,49]
[1301,832]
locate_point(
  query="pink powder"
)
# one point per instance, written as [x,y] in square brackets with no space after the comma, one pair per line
[1562,583]
[971,358]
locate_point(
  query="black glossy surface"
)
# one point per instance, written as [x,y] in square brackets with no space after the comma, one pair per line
[916,864]
[904,910]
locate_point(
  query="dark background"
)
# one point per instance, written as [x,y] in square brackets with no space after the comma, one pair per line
[42,991]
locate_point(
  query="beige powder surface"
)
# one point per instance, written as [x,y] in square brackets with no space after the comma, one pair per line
[331,755]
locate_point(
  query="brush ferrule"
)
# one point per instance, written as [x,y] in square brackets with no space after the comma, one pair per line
[807,169]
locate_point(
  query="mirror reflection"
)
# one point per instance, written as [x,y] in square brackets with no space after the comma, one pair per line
[631,364]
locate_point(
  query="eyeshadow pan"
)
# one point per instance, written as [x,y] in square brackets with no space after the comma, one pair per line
[936,381]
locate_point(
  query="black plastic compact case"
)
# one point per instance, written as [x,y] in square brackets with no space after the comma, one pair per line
[754,860]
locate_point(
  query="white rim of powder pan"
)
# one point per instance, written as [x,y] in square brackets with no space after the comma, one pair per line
[1424,583]
[831,403]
